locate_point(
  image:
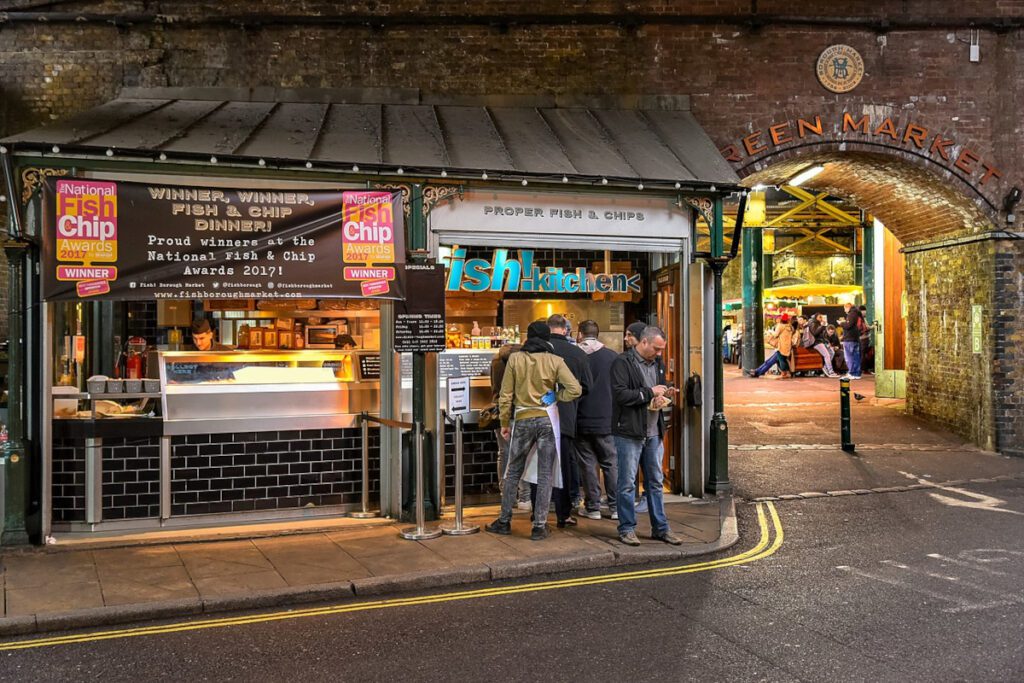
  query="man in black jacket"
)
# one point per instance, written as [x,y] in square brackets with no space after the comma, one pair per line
[852,328]
[576,359]
[639,427]
[595,446]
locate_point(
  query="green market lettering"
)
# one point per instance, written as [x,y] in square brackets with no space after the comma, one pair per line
[505,274]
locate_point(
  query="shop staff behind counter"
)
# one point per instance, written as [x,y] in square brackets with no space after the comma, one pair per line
[202,338]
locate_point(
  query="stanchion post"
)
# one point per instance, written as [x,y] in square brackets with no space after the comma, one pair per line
[844,416]
[459,529]
[420,532]
[365,512]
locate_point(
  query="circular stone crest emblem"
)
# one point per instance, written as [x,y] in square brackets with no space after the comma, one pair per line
[840,68]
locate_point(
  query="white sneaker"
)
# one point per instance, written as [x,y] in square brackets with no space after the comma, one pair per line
[590,514]
[615,515]
[524,505]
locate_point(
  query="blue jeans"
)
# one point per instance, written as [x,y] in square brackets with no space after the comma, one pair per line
[646,453]
[772,360]
[851,350]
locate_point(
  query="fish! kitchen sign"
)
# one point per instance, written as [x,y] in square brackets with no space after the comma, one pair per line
[523,274]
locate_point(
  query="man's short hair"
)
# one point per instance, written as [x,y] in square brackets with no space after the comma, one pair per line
[558,321]
[589,328]
[651,333]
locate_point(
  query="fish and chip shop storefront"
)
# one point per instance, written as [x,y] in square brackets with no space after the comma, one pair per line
[197,341]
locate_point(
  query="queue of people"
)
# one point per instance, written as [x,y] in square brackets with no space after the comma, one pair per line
[844,348]
[568,408]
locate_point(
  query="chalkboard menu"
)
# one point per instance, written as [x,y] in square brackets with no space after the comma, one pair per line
[465,364]
[369,367]
[419,320]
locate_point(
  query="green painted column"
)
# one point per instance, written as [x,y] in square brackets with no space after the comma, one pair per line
[417,242]
[718,469]
[868,270]
[753,290]
[16,461]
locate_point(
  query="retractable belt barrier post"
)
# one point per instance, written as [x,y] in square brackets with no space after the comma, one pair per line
[844,416]
[458,528]
[365,512]
[420,532]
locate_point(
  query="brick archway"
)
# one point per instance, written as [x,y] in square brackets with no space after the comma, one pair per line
[917,199]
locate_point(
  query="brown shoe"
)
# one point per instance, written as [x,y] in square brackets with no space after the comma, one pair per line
[668,537]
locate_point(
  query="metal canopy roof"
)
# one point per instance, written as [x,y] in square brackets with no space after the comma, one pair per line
[637,144]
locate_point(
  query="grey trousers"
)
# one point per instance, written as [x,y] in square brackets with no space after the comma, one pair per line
[524,488]
[598,451]
[533,431]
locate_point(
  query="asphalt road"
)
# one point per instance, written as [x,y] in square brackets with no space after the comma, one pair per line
[899,586]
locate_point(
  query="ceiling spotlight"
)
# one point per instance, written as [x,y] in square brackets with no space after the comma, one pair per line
[55,149]
[110,152]
[162,157]
[604,181]
[309,164]
[400,170]
[483,176]
[805,175]
[565,179]
[262,162]
[444,173]
[678,184]
[525,182]
[640,186]
[3,198]
[355,168]
[3,150]
[713,188]
[213,160]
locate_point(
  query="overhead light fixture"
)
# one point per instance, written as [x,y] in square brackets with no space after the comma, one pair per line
[525,182]
[262,162]
[678,184]
[400,170]
[444,173]
[3,150]
[604,181]
[805,175]
[483,176]
[640,186]
[309,164]
[760,187]
[55,149]
[163,157]
[213,160]
[355,168]
[565,179]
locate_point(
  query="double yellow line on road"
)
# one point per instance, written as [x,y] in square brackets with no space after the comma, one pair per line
[770,541]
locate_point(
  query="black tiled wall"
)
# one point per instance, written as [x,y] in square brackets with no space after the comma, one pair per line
[480,456]
[131,479]
[270,470]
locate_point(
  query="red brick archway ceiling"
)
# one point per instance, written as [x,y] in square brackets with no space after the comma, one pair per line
[917,206]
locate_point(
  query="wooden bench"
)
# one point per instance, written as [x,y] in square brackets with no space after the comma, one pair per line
[807,360]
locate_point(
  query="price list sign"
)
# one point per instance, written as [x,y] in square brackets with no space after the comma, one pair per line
[419,320]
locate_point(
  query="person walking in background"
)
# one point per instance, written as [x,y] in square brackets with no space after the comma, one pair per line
[576,360]
[497,374]
[639,427]
[819,332]
[851,340]
[781,339]
[595,446]
[534,378]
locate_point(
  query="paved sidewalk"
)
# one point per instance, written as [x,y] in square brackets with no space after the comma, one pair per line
[48,589]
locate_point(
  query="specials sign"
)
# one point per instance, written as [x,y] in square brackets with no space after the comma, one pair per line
[134,241]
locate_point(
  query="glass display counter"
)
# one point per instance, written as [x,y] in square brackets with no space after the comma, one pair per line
[208,392]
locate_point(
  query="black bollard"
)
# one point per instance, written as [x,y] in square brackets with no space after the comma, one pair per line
[844,416]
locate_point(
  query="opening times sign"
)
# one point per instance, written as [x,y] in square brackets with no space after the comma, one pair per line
[134,241]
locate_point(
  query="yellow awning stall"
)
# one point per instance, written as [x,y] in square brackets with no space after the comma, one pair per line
[802,291]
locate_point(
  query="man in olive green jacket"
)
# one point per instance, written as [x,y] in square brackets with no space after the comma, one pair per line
[534,379]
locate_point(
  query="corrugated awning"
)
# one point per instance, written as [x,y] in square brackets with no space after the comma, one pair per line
[649,145]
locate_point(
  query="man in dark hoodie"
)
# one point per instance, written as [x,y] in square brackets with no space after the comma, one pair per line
[579,366]
[595,446]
